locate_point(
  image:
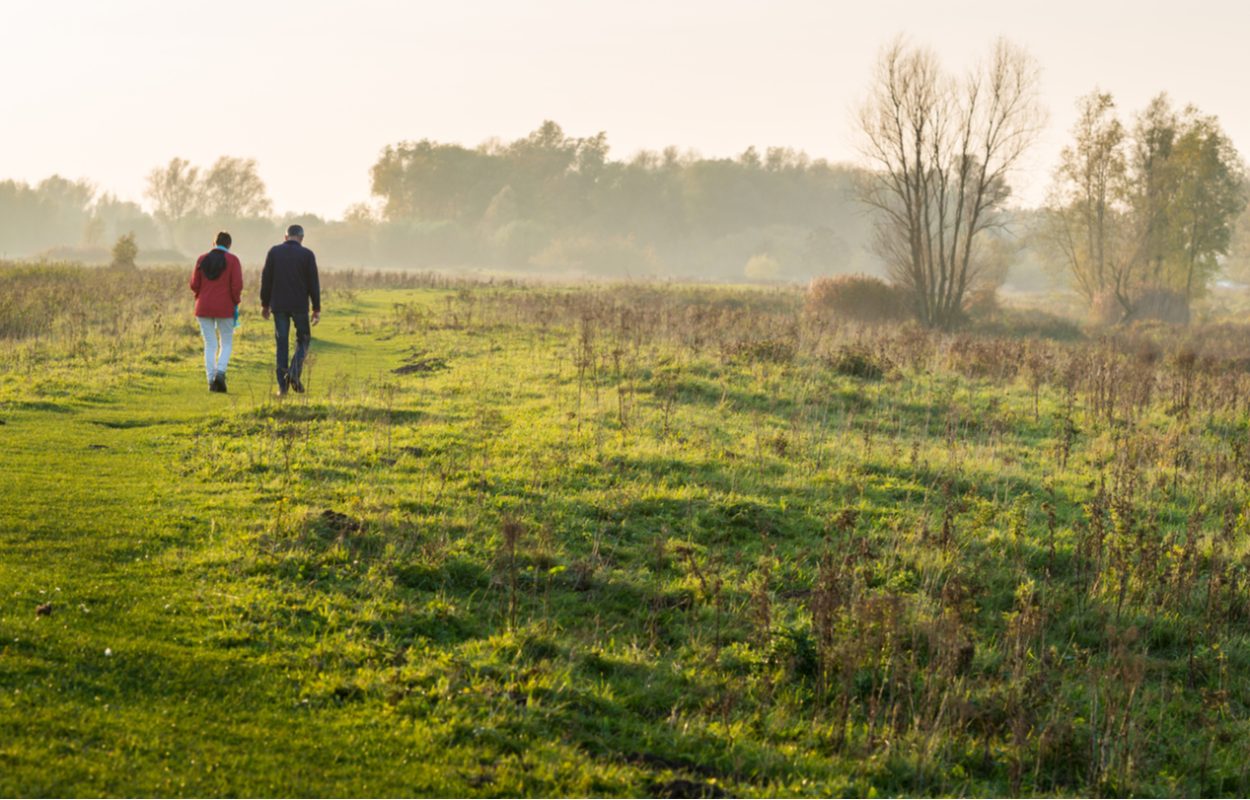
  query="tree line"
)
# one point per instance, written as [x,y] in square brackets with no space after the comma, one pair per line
[66,218]
[1141,217]
[547,202]
[557,202]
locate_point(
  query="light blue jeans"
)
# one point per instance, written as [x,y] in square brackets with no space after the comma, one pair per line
[218,342]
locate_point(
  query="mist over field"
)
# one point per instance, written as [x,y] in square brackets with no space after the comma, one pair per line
[548,203]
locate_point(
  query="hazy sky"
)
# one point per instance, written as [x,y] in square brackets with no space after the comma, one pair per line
[313,90]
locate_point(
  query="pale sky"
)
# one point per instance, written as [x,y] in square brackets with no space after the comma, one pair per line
[313,90]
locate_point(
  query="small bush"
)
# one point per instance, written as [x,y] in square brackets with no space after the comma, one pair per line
[125,251]
[857,298]
[771,350]
[858,362]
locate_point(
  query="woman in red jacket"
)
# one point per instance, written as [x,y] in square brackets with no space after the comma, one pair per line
[218,286]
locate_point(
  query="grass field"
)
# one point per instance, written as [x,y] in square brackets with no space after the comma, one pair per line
[613,541]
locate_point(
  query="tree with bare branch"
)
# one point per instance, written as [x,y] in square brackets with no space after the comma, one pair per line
[940,152]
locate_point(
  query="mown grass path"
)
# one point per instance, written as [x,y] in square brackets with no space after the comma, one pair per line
[120,690]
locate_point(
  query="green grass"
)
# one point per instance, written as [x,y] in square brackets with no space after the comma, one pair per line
[578,549]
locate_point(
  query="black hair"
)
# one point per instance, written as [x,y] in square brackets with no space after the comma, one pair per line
[224,240]
[295,230]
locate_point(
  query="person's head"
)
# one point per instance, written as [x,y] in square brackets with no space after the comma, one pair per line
[295,232]
[224,240]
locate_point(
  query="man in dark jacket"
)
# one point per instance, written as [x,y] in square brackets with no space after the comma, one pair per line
[287,284]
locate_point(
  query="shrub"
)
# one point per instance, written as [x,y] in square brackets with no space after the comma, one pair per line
[125,251]
[772,350]
[857,298]
[858,362]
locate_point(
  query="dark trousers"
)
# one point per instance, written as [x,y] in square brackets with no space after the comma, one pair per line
[282,335]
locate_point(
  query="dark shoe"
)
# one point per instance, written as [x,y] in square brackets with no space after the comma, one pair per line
[221,382]
[296,385]
[212,386]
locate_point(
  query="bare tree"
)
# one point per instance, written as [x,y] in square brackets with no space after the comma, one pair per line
[940,151]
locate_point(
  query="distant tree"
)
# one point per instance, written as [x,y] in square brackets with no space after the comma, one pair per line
[63,209]
[176,193]
[940,151]
[520,198]
[778,159]
[233,190]
[542,165]
[359,214]
[1209,198]
[1149,187]
[125,251]
[750,158]
[93,233]
[1143,218]
[1237,264]
[591,154]
[1087,219]
[56,211]
[432,181]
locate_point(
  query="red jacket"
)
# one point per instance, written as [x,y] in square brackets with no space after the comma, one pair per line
[217,298]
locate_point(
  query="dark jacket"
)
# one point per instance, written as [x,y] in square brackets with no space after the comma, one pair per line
[289,279]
